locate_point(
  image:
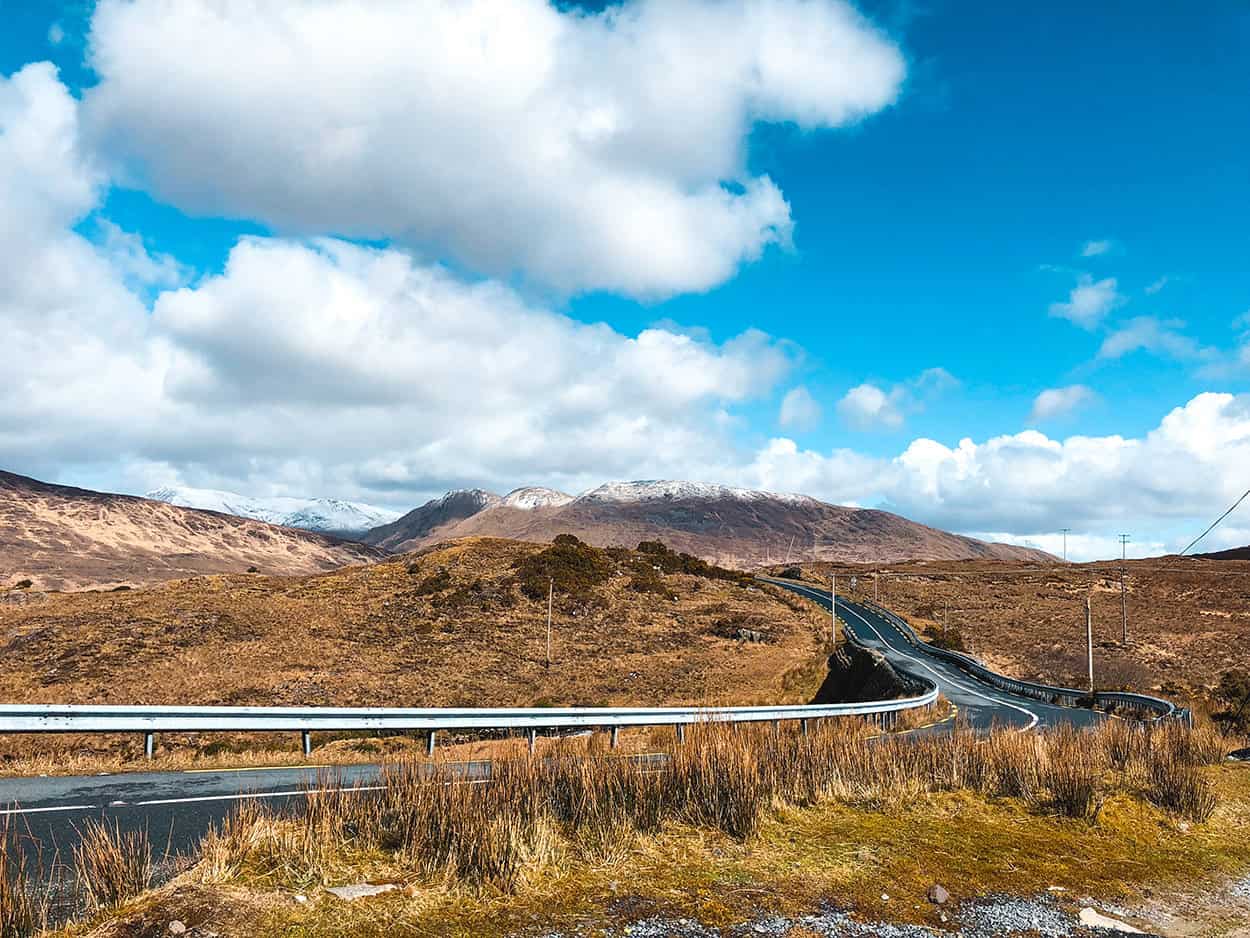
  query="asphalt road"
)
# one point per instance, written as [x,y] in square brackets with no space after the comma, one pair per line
[177,808]
[981,705]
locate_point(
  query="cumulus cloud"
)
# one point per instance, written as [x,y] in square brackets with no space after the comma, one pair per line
[799,409]
[1161,337]
[317,365]
[1089,302]
[586,151]
[1056,402]
[1028,485]
[868,406]
[1157,285]
[1095,248]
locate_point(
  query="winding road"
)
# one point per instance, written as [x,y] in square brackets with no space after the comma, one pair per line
[981,705]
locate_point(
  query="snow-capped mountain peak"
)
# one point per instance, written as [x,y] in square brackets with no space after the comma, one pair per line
[310,514]
[653,490]
[535,496]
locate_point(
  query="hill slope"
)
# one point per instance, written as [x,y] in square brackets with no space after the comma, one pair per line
[67,538]
[461,625]
[732,526]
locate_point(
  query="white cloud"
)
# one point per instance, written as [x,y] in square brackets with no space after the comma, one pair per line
[1183,473]
[1158,285]
[1089,301]
[1095,248]
[799,409]
[56,34]
[1056,402]
[587,151]
[1158,336]
[318,366]
[868,406]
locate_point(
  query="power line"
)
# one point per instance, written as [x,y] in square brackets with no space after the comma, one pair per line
[1216,522]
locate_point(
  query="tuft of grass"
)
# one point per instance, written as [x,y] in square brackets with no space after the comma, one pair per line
[1072,771]
[112,867]
[21,914]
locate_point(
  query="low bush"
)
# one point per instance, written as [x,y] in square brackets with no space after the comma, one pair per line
[572,567]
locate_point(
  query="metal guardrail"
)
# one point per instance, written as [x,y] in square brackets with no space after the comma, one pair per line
[52,718]
[1061,696]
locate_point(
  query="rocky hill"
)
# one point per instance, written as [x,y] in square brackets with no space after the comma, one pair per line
[57,537]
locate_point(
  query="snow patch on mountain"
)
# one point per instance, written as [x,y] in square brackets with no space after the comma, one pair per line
[309,514]
[535,496]
[654,490]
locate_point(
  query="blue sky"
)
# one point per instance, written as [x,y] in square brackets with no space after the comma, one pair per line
[998,157]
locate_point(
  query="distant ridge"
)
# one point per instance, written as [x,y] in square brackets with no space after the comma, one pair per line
[327,515]
[742,527]
[60,537]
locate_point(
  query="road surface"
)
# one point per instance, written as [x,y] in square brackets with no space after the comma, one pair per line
[981,705]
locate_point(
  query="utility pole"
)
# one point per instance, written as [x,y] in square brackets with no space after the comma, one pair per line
[1089,642]
[946,615]
[1123,595]
[551,590]
[876,596]
[1065,544]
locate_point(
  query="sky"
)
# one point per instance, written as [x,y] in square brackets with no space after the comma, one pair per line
[986,265]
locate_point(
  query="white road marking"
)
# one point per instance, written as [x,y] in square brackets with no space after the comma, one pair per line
[1033,717]
[245,796]
[8,812]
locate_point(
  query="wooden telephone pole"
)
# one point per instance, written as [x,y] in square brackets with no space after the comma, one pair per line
[1123,595]
[1089,642]
[551,589]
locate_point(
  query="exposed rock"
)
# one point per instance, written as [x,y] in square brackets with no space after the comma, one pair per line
[1096,920]
[360,891]
[938,894]
[177,928]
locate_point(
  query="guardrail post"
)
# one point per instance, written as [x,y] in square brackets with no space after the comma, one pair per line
[681,732]
[149,745]
[306,739]
[616,732]
[533,739]
[429,743]
[803,726]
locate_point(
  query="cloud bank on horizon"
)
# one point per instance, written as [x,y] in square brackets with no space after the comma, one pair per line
[432,193]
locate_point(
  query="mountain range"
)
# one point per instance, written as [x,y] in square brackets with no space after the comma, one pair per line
[732,526]
[327,515]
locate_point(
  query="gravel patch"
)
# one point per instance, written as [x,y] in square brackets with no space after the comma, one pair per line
[989,917]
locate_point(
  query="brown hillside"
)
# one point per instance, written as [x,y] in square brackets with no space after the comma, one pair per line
[452,627]
[731,530]
[66,538]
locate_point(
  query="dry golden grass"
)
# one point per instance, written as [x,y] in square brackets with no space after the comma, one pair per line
[1189,619]
[450,627]
[736,824]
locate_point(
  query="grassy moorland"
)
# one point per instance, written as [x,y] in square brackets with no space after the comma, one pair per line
[462,624]
[1189,619]
[736,825]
